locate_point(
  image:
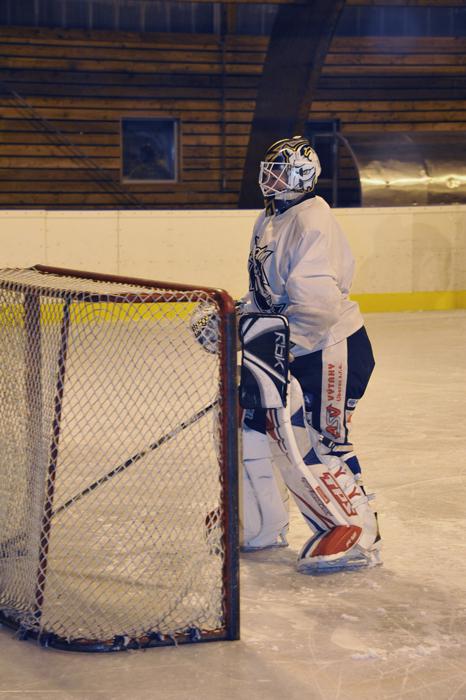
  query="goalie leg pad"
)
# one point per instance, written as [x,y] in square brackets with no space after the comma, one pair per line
[326,448]
[351,546]
[264,516]
[328,452]
[326,492]
[328,496]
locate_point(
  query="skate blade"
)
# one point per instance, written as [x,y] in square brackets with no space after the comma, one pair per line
[283,542]
[310,567]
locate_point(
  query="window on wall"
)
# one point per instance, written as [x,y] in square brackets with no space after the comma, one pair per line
[149,150]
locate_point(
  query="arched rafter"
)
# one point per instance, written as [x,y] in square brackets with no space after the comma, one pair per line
[298,44]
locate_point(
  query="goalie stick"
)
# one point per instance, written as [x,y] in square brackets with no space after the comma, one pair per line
[137,457]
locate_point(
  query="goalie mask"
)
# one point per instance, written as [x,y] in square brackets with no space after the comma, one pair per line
[290,169]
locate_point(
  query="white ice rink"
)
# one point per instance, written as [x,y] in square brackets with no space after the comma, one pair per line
[397,631]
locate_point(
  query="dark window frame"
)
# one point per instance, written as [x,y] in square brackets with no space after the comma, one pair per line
[145,149]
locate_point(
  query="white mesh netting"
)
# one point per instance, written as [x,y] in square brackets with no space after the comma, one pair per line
[111,511]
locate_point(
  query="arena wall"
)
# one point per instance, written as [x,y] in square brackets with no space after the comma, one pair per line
[66,91]
[406,258]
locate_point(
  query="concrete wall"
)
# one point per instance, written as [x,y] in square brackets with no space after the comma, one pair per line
[406,258]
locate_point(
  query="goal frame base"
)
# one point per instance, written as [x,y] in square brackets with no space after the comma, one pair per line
[119,642]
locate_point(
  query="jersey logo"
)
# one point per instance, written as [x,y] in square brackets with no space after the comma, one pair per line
[258,281]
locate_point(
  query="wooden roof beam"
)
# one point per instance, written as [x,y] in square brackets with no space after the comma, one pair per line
[299,41]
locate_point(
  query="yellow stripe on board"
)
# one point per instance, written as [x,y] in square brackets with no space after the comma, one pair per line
[82,312]
[90,312]
[85,312]
[411,301]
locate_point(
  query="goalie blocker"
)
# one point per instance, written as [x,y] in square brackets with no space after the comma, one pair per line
[333,504]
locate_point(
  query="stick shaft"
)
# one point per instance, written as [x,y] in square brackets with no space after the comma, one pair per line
[137,457]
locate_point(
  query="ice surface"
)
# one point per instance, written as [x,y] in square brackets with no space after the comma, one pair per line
[396,631]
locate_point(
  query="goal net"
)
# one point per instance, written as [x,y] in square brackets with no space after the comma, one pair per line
[118,474]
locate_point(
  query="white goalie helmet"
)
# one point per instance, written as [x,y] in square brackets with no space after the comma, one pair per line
[291,168]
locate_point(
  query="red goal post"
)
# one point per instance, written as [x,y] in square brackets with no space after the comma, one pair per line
[118,460]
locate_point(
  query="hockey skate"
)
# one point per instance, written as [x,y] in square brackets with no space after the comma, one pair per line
[264,542]
[338,550]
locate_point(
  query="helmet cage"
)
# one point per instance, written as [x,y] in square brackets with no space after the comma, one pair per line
[279,178]
[274,178]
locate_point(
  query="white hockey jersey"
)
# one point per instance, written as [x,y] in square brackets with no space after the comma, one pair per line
[301,266]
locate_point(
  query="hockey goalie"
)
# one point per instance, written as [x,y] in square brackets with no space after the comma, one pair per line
[300,268]
[296,418]
[283,453]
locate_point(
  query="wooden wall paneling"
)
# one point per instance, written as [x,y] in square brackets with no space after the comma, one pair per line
[379,84]
[83,83]
[148,94]
[394,83]
[166,80]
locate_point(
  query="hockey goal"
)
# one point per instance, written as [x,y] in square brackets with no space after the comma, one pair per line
[118,461]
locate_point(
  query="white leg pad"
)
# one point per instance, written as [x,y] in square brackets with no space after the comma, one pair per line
[264,517]
[333,504]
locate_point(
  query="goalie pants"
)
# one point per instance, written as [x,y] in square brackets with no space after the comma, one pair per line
[332,380]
